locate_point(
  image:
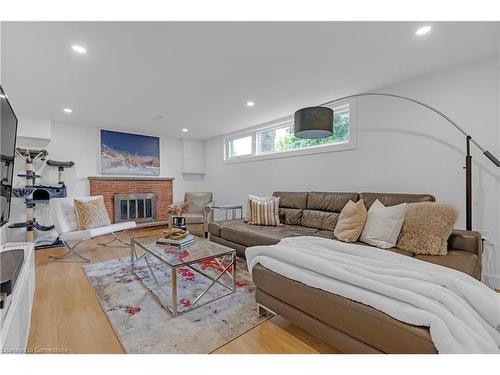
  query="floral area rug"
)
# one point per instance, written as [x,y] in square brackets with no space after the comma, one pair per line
[143,326]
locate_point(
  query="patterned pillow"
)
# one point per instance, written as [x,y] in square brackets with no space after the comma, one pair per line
[91,214]
[264,212]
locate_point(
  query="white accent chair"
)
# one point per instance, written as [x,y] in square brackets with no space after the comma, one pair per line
[63,214]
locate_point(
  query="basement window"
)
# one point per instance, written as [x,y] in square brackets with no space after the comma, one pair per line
[278,139]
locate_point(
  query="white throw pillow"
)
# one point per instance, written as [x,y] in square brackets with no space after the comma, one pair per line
[383,225]
[248,213]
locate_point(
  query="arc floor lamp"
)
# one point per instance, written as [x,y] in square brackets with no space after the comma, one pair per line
[317,122]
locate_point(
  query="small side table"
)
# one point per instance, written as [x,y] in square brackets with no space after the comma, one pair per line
[230,207]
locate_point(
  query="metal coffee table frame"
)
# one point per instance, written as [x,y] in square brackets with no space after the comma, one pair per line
[190,264]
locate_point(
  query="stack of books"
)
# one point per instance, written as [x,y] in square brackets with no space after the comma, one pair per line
[180,244]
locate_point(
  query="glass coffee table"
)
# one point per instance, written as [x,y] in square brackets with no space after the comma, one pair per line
[184,279]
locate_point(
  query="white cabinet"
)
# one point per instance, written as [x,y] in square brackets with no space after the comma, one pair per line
[16,317]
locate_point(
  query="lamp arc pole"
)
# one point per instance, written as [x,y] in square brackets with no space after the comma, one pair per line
[468,140]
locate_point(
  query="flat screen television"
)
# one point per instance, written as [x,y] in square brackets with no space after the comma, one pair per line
[8,131]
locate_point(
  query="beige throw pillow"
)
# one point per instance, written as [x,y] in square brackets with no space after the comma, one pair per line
[351,221]
[264,212]
[427,227]
[383,224]
[91,214]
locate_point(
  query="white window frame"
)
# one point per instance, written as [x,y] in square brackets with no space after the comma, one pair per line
[350,145]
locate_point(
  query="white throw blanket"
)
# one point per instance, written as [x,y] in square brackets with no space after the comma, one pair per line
[463,314]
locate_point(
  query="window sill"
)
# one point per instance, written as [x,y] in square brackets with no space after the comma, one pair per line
[293,153]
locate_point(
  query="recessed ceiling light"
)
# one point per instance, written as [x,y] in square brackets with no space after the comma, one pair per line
[158,117]
[67,110]
[423,30]
[250,103]
[184,130]
[79,49]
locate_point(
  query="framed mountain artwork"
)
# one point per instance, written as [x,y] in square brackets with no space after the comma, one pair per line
[129,154]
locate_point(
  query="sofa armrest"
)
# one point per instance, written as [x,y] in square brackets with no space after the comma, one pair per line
[466,240]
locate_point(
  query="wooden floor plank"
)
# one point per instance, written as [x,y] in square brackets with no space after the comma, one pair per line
[67,316]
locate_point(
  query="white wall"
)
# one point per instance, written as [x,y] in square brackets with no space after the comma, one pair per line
[81,145]
[400,148]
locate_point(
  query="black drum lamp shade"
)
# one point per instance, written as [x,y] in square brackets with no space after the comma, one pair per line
[313,122]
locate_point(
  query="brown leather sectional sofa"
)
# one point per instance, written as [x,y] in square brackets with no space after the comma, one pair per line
[349,326]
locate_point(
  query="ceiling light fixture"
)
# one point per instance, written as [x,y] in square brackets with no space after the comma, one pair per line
[423,30]
[250,103]
[79,49]
[184,130]
[67,110]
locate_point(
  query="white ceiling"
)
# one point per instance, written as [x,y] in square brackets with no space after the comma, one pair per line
[199,75]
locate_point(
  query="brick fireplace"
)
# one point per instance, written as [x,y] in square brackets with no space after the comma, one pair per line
[109,187]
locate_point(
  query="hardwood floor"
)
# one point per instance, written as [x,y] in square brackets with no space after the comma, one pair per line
[67,317]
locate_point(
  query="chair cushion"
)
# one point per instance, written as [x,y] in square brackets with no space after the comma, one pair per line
[81,235]
[193,218]
[91,214]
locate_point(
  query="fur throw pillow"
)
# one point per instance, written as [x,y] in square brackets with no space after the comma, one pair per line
[427,227]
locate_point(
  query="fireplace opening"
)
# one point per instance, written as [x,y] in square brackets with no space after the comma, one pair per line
[138,207]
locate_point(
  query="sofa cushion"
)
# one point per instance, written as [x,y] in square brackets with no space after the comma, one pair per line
[325,233]
[215,227]
[319,219]
[292,216]
[290,199]
[392,199]
[331,202]
[355,319]
[323,209]
[251,235]
[459,260]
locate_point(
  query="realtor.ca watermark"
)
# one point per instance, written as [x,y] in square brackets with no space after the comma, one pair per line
[35,350]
